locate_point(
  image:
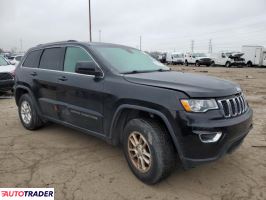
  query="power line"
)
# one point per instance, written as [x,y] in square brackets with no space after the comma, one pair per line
[100,35]
[140,43]
[192,46]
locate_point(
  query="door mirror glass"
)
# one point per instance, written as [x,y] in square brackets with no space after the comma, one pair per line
[88,68]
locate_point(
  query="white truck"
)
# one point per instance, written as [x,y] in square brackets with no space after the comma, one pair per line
[228,59]
[254,55]
[175,58]
[197,59]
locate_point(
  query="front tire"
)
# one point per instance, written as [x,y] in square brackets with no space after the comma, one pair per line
[28,114]
[227,64]
[149,150]
[197,64]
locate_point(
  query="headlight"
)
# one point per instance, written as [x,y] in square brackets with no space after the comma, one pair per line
[198,105]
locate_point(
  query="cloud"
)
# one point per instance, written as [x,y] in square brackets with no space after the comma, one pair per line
[164,25]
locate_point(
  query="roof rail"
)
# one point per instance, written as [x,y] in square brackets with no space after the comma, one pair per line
[71,40]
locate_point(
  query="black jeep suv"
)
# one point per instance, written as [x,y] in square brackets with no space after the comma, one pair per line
[124,96]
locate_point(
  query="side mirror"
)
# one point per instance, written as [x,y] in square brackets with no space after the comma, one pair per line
[88,68]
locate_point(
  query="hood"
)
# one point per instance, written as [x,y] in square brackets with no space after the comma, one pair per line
[7,68]
[236,55]
[192,84]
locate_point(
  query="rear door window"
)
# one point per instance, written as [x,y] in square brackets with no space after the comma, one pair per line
[52,59]
[33,59]
[73,56]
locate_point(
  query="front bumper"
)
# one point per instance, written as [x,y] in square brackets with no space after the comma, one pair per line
[205,62]
[194,151]
[6,85]
[238,63]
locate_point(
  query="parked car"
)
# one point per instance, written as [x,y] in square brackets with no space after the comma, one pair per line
[162,58]
[228,59]
[197,59]
[124,96]
[254,55]
[175,58]
[14,60]
[6,75]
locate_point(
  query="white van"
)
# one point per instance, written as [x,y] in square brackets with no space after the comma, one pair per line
[175,58]
[228,59]
[254,55]
[197,59]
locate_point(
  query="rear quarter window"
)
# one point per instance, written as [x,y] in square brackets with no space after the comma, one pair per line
[33,58]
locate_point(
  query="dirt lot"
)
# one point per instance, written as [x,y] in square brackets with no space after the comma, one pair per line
[82,167]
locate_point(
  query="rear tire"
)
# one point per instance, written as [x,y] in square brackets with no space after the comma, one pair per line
[249,64]
[153,145]
[28,113]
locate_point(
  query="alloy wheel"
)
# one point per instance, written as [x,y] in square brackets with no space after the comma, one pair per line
[25,111]
[139,152]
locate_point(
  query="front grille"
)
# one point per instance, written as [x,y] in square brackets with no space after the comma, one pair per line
[5,76]
[205,59]
[234,106]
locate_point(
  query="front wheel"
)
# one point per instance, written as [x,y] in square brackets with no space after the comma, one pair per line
[197,64]
[28,114]
[227,64]
[149,150]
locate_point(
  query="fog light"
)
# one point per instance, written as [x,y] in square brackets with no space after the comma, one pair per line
[208,137]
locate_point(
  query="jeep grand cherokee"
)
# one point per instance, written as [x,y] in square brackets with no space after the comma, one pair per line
[124,96]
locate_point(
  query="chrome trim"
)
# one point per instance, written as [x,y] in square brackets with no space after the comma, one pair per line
[63,46]
[217,136]
[239,102]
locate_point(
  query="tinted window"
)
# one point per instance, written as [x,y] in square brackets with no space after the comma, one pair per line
[73,56]
[33,59]
[51,59]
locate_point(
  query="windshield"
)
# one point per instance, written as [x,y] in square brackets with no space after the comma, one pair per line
[199,55]
[126,59]
[177,56]
[3,61]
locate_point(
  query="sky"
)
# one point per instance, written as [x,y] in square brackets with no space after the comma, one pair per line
[164,25]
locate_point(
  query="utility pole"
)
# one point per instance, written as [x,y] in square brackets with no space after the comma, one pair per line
[100,36]
[140,43]
[21,45]
[90,19]
[192,46]
[210,46]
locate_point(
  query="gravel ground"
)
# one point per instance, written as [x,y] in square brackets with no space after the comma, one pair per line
[83,167]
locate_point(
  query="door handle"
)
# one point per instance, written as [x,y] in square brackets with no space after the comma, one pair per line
[63,78]
[34,74]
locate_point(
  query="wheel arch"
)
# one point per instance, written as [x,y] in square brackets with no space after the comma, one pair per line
[116,128]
